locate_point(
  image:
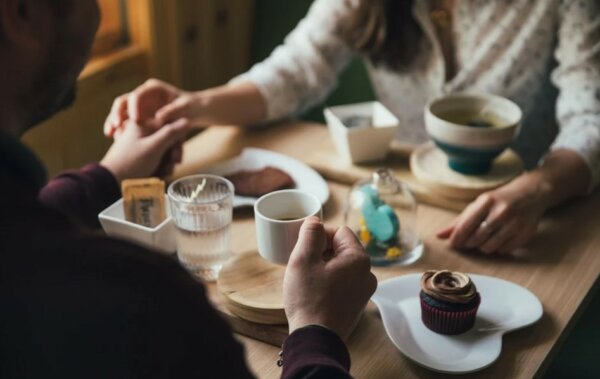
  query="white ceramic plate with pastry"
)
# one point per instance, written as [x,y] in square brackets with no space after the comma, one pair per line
[505,306]
[304,177]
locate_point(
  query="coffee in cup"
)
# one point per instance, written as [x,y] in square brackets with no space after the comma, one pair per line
[279,216]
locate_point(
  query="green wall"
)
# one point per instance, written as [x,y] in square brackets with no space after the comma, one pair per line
[274,19]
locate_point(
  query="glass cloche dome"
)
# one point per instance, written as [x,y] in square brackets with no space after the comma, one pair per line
[382,212]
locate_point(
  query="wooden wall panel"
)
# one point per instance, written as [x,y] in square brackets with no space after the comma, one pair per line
[211,40]
[194,44]
[152,26]
[227,39]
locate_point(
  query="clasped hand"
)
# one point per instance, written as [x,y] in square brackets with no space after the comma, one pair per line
[148,135]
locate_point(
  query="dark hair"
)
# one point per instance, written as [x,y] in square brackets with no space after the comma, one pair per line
[385,31]
[61,7]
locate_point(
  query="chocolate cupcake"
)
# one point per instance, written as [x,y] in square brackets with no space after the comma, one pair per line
[449,301]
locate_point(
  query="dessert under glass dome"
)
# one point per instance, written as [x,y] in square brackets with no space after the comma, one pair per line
[382,212]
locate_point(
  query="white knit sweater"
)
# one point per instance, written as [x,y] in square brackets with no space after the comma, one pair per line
[542,54]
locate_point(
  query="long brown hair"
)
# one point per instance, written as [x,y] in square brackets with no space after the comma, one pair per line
[385,31]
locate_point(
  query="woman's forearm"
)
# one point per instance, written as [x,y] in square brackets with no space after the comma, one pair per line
[563,175]
[233,104]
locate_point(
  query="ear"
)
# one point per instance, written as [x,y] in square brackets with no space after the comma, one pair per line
[25,23]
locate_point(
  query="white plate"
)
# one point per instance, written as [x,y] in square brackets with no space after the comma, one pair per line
[505,306]
[306,178]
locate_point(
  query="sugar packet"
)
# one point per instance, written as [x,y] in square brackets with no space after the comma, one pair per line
[144,201]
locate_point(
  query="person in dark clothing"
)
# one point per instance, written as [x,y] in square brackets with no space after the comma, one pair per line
[74,303]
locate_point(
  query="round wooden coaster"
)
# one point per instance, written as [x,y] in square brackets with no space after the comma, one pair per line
[430,165]
[253,288]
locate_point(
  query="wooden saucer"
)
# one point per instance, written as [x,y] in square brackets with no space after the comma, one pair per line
[253,288]
[430,165]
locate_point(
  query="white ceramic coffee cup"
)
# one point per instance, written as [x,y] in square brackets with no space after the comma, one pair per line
[279,216]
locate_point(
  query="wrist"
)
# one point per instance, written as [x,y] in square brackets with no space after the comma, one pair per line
[314,325]
[543,189]
[114,169]
[205,103]
[562,175]
[313,345]
[217,103]
[295,324]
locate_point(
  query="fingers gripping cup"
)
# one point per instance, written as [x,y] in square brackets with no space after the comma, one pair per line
[202,207]
[279,216]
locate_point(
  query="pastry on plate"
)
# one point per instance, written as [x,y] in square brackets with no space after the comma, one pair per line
[256,183]
[449,301]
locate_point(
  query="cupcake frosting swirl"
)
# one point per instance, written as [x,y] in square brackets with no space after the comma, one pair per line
[454,287]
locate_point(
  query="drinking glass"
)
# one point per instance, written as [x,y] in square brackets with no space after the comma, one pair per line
[201,207]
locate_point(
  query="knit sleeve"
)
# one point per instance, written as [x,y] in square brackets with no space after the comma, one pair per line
[578,79]
[304,69]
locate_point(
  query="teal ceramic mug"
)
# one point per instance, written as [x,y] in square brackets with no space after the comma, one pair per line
[472,129]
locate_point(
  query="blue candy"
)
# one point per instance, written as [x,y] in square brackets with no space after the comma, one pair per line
[380,218]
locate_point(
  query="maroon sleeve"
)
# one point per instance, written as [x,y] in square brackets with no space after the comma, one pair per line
[82,194]
[315,352]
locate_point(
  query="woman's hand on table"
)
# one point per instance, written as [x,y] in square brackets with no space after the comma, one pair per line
[498,221]
[328,279]
[505,219]
[138,153]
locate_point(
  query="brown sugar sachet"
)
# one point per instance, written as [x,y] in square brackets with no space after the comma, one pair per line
[144,201]
[259,182]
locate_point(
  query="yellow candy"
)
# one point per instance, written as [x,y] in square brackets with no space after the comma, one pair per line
[365,236]
[393,253]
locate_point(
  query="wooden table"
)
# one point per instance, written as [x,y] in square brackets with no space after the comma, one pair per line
[561,265]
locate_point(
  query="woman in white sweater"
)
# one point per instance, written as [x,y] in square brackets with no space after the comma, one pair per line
[544,55]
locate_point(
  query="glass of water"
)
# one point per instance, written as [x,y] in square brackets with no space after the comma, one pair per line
[201,206]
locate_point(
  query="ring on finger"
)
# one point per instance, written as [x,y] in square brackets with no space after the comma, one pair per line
[486,227]
[482,234]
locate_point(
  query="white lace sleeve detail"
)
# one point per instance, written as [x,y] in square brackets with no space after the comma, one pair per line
[578,79]
[304,69]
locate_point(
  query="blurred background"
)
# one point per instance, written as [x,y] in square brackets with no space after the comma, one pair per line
[196,44]
[193,44]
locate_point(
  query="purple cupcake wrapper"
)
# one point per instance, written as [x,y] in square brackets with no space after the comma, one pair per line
[448,322]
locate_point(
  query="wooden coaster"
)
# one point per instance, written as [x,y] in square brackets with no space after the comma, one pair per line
[253,288]
[430,165]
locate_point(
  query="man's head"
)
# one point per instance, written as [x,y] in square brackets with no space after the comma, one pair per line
[44,45]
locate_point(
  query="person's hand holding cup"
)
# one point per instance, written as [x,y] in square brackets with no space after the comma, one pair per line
[279,216]
[328,279]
